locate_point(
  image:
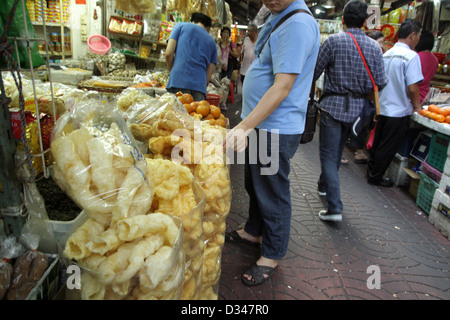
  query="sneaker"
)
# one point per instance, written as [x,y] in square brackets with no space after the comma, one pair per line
[322,193]
[325,216]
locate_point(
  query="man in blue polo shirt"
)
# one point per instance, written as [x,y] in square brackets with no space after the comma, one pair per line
[398,100]
[191,56]
[274,103]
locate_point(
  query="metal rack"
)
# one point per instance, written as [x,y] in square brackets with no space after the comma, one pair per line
[13,211]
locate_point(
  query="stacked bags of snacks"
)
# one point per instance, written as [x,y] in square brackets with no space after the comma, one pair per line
[173,135]
[124,249]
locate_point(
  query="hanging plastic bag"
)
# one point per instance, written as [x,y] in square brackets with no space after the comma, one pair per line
[37,227]
[29,267]
[9,249]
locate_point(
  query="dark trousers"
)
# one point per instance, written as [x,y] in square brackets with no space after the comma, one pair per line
[389,134]
[270,199]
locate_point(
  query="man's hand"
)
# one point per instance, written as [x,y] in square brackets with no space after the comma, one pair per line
[236,139]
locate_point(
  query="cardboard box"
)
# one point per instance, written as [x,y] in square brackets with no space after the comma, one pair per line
[414,182]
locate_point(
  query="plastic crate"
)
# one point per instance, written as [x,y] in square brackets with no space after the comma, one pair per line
[437,156]
[425,193]
[213,99]
[431,172]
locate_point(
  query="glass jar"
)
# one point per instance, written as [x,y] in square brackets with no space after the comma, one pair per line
[54,37]
[58,47]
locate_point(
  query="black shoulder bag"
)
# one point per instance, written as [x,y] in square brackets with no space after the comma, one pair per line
[313,105]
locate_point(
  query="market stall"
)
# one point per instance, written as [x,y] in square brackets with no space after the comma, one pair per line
[124,181]
[108,174]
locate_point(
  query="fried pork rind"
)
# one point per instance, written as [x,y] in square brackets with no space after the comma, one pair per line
[182,198]
[145,267]
[172,133]
[97,164]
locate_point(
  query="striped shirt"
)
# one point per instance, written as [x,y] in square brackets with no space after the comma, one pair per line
[345,72]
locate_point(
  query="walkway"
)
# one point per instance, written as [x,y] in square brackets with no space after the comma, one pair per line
[329,261]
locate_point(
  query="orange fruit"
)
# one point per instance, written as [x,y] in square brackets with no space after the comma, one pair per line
[432,115]
[188,97]
[221,122]
[182,99]
[433,108]
[426,113]
[447,119]
[203,109]
[445,111]
[209,116]
[204,102]
[194,105]
[422,112]
[212,122]
[440,118]
[179,93]
[188,107]
[215,111]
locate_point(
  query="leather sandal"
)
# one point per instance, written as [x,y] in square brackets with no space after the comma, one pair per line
[258,274]
[233,236]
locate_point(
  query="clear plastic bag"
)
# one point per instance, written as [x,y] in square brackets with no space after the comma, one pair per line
[146,263]
[178,195]
[97,163]
[30,266]
[9,249]
[37,233]
[215,181]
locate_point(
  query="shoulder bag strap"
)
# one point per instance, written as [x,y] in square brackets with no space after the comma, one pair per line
[283,20]
[375,87]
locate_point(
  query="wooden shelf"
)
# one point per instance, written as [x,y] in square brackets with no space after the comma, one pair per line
[50,24]
[65,53]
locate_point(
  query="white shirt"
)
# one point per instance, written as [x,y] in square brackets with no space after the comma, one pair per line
[402,67]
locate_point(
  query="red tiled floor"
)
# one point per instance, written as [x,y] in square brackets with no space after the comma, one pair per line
[329,261]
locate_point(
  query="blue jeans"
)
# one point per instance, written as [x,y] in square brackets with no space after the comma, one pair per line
[270,199]
[332,137]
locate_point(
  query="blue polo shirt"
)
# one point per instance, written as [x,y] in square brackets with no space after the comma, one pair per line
[195,51]
[292,48]
[403,68]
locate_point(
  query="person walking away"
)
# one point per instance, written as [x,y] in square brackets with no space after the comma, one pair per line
[274,104]
[346,86]
[191,66]
[428,62]
[248,49]
[359,141]
[398,100]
